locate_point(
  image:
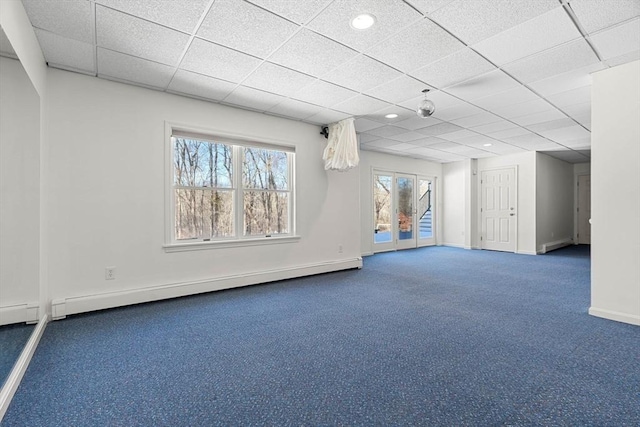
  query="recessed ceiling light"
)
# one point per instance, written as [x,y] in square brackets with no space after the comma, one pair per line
[391,116]
[487,145]
[363,21]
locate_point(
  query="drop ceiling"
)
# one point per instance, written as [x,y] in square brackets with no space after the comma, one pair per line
[506,76]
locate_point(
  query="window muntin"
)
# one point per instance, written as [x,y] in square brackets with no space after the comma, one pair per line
[225,191]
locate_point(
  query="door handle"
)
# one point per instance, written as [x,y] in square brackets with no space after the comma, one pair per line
[511,214]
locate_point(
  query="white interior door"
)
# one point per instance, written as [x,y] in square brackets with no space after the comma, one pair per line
[498,210]
[584,209]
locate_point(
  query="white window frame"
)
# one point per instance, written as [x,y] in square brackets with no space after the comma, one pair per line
[237,141]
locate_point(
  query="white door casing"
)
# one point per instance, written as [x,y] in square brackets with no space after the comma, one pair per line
[498,210]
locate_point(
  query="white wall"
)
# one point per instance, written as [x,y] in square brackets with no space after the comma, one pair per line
[106,198]
[526,209]
[554,202]
[454,200]
[615,194]
[19,192]
[369,161]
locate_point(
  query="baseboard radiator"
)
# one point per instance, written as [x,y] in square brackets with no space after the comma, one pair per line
[19,313]
[552,246]
[62,307]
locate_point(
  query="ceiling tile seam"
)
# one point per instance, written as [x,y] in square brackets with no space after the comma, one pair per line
[314,16]
[136,57]
[129,82]
[192,36]
[141,18]
[569,10]
[70,69]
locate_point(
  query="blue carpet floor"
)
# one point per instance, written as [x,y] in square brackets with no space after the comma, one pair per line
[12,340]
[433,336]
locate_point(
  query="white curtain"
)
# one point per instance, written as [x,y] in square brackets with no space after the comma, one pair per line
[341,152]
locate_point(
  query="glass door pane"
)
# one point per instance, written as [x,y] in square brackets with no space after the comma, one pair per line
[382,208]
[425,209]
[406,232]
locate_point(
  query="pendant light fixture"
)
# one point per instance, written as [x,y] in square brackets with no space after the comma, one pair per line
[426,107]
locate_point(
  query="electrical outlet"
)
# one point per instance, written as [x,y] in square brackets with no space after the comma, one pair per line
[110,273]
[339,249]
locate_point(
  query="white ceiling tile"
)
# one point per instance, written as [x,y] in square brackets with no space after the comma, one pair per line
[335,21]
[473,152]
[579,95]
[137,37]
[326,117]
[382,143]
[296,11]
[439,129]
[458,112]
[497,126]
[312,53]
[509,133]
[545,116]
[527,140]
[446,146]
[363,125]
[619,40]
[398,90]
[508,97]
[362,73]
[427,141]
[538,145]
[365,137]
[476,120]
[457,67]
[503,149]
[458,135]
[181,15]
[566,133]
[522,109]
[253,99]
[578,144]
[407,136]
[124,67]
[473,21]
[387,131]
[380,115]
[553,124]
[295,109]
[560,59]
[262,31]
[566,81]
[360,105]
[415,122]
[477,141]
[72,18]
[412,39]
[484,85]
[201,86]
[68,53]
[323,93]
[595,15]
[623,59]
[428,6]
[276,79]
[578,109]
[403,146]
[535,35]
[218,61]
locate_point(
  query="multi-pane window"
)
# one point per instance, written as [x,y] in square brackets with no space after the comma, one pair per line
[227,190]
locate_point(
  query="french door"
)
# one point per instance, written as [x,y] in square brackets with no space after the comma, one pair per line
[403,211]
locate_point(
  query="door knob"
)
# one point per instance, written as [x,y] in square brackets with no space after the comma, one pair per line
[511,214]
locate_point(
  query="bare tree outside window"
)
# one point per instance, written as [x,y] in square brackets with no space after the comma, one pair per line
[203,189]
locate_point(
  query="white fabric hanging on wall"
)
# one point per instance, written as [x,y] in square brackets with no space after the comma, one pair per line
[341,152]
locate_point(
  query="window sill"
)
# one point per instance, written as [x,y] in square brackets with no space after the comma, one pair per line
[220,244]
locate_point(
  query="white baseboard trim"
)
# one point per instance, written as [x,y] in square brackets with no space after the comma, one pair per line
[367,253]
[15,376]
[557,244]
[19,313]
[66,306]
[632,319]
[453,245]
[527,252]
